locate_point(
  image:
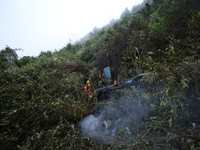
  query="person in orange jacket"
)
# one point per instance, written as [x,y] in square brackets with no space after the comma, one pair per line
[87,89]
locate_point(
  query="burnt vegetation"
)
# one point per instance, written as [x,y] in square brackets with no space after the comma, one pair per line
[41,98]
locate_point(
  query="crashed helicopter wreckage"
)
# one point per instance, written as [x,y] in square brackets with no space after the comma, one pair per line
[122,85]
[106,91]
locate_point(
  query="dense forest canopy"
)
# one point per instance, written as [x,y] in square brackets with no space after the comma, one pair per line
[41,98]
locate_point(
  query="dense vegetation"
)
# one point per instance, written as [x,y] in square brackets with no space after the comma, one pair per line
[41,98]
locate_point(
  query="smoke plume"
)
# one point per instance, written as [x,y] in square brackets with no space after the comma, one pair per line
[117,122]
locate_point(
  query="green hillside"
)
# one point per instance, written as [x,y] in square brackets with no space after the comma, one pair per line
[42,102]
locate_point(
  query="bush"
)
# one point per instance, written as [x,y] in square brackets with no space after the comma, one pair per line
[39,104]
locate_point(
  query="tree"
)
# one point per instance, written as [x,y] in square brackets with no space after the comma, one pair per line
[25,60]
[45,54]
[126,12]
[8,57]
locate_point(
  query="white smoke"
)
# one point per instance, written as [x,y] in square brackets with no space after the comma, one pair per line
[122,117]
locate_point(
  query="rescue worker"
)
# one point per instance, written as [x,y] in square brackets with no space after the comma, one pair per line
[87,89]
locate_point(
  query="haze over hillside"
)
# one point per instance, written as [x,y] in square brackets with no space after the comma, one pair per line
[48,25]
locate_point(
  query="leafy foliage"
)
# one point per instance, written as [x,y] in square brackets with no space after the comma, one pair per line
[8,57]
[41,98]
